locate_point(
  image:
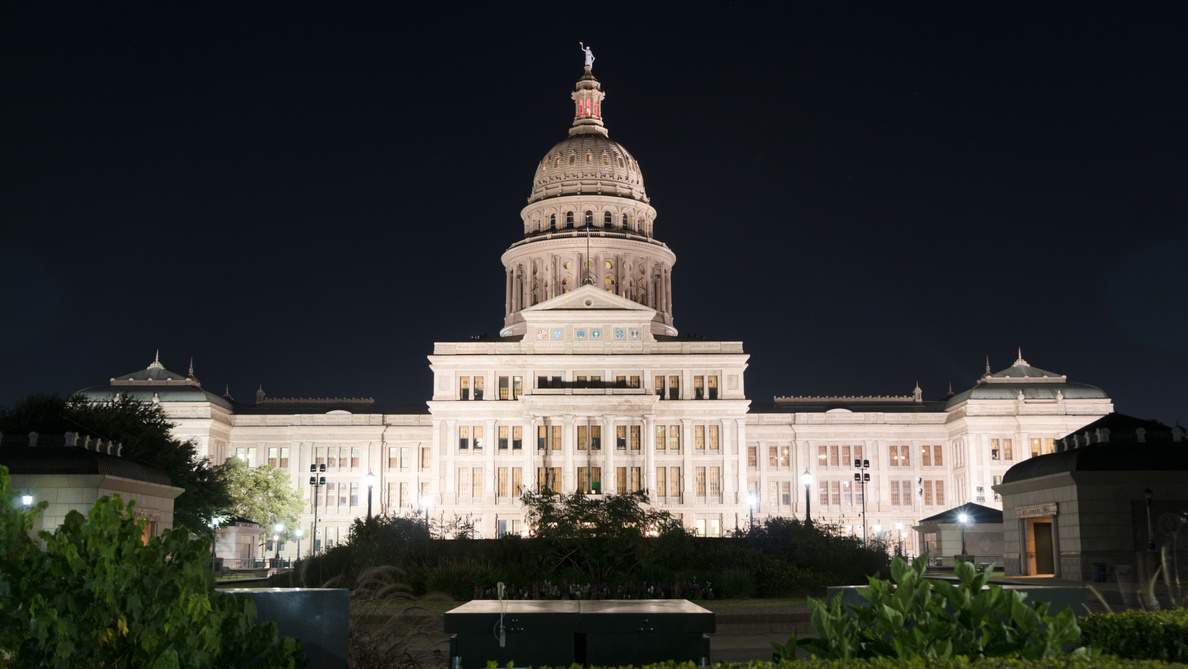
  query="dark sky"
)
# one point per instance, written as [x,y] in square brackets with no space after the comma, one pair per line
[866,195]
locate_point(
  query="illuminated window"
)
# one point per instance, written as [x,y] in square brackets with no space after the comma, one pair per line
[635,440]
[572,159]
[557,162]
[699,474]
[464,388]
[517,438]
[1006,450]
[284,457]
[503,437]
[581,438]
[477,478]
[936,456]
[661,489]
[674,437]
[272,456]
[660,386]
[620,437]
[556,437]
[674,387]
[542,434]
[674,482]
[426,458]
[355,457]
[713,438]
[713,387]
[752,457]
[517,481]
[478,437]
[925,456]
[393,457]
[605,159]
[463,437]
[698,387]
[589,159]
[478,387]
[715,481]
[699,437]
[620,162]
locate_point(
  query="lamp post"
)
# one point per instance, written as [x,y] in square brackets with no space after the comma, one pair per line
[1150,526]
[426,501]
[899,531]
[316,481]
[862,477]
[27,500]
[369,480]
[751,508]
[276,540]
[299,532]
[964,519]
[807,479]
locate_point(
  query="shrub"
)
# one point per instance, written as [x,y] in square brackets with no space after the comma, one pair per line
[98,595]
[918,617]
[1144,635]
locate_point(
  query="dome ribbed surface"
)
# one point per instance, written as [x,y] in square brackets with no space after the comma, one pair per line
[588,163]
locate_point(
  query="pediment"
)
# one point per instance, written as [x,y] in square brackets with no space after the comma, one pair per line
[590,298]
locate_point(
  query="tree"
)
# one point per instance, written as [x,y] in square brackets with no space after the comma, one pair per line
[99,595]
[143,430]
[262,495]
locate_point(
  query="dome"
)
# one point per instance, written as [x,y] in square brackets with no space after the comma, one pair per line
[588,163]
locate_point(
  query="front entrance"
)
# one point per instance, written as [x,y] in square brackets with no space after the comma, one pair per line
[1041,554]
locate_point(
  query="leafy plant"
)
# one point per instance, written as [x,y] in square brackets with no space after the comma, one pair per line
[101,595]
[918,617]
[1144,635]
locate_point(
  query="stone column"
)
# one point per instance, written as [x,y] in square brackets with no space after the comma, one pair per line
[687,461]
[649,448]
[507,293]
[568,436]
[449,451]
[609,446]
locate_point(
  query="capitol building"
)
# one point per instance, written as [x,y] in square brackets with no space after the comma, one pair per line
[590,387]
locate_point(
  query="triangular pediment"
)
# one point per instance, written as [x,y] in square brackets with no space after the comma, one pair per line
[589,298]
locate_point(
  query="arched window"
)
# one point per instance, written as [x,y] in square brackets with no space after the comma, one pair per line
[589,159]
[605,159]
[620,162]
[572,159]
[557,162]
[589,217]
[606,219]
[569,219]
[552,221]
[624,221]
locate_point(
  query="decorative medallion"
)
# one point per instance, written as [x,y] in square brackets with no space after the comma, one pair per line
[635,333]
[596,334]
[542,334]
[619,334]
[580,334]
[556,334]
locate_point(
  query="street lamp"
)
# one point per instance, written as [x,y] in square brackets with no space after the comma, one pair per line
[899,531]
[807,479]
[964,519]
[426,502]
[1150,526]
[27,500]
[299,532]
[751,507]
[276,540]
[369,480]
[862,477]
[316,481]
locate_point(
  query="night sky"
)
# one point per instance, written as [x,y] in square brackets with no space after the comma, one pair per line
[864,195]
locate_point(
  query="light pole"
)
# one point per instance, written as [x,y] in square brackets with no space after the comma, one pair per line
[964,519]
[1150,526]
[299,532]
[276,540]
[426,501]
[370,481]
[862,477]
[899,531]
[751,508]
[807,479]
[316,481]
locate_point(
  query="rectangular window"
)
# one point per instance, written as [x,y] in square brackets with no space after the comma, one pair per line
[517,481]
[477,480]
[478,436]
[940,493]
[273,452]
[343,494]
[773,493]
[583,483]
[713,387]
[698,387]
[713,437]
[620,437]
[700,530]
[675,482]
[661,437]
[847,495]
[332,458]
[596,437]
[354,494]
[773,457]
[822,455]
[661,489]
[404,457]
[542,435]
[542,479]
[997,497]
[463,437]
[393,457]
[752,457]
[925,456]
[621,479]
[355,456]
[660,386]
[995,451]
[895,493]
[581,438]
[699,437]
[786,493]
[636,476]
[859,491]
[517,387]
[893,456]
[1006,450]
[464,481]
[284,458]
[321,455]
[858,453]
[478,387]
[1035,447]
[937,458]
[517,438]
[503,432]
[404,500]
[907,493]
[823,489]
[635,437]
[633,382]
[674,387]
[715,481]
[674,437]
[464,388]
[393,496]
[835,487]
[699,473]
[556,437]
[833,453]
[928,493]
[596,480]
[620,381]
[504,388]
[426,458]
[845,457]
[1049,446]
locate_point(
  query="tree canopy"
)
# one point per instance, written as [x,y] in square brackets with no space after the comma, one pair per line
[262,495]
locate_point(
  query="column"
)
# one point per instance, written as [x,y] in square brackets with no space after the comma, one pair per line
[649,448]
[449,450]
[507,293]
[609,446]
[568,435]
[492,438]
[687,472]
[668,290]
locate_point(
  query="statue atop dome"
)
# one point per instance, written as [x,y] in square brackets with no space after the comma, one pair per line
[589,55]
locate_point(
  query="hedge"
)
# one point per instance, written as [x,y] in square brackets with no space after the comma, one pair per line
[1102,662]
[1154,635]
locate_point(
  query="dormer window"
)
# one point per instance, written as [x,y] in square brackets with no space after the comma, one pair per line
[572,160]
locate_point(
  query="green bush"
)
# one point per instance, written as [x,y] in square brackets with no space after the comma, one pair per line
[1068,662]
[1144,635]
[99,595]
[922,618]
[459,581]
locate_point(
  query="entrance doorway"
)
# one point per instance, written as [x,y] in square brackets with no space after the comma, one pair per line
[1041,552]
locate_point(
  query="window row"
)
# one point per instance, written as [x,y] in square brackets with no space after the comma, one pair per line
[335,495]
[398,496]
[838,456]
[588,438]
[930,456]
[399,457]
[589,218]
